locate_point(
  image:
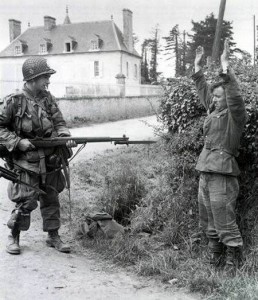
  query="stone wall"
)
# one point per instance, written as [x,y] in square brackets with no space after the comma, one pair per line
[105,109]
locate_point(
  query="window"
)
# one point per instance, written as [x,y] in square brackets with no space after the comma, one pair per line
[96,68]
[67,47]
[17,50]
[94,45]
[127,69]
[42,48]
[135,71]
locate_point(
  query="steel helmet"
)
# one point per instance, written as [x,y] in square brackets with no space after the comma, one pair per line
[34,67]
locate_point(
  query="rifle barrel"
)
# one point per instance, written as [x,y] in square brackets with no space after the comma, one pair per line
[134,142]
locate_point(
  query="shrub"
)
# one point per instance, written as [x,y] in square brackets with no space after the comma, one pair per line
[183,117]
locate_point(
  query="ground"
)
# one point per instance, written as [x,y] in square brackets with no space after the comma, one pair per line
[43,273]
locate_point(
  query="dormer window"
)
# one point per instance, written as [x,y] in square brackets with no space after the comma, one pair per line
[44,46]
[67,47]
[96,43]
[70,44]
[20,47]
[17,50]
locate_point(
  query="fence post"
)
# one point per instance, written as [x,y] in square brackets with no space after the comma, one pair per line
[120,79]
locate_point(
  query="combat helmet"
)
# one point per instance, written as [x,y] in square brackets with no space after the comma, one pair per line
[34,67]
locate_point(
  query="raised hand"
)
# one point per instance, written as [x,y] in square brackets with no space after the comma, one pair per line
[199,52]
[224,59]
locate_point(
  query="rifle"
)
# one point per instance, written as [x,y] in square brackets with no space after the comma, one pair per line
[61,141]
[14,177]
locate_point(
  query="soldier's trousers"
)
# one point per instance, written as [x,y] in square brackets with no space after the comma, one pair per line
[49,203]
[217,200]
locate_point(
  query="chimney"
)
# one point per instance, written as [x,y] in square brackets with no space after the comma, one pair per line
[14,29]
[49,22]
[128,29]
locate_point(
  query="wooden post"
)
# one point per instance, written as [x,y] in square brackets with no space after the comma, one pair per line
[254,43]
[216,43]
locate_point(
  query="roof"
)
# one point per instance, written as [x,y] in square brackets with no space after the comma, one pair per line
[82,33]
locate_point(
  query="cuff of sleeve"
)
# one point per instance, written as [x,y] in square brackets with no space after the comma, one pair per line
[13,146]
[64,133]
[197,75]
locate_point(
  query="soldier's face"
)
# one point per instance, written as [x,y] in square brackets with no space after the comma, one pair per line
[219,98]
[41,83]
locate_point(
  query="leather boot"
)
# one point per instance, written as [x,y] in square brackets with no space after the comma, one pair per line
[13,246]
[216,252]
[54,240]
[234,259]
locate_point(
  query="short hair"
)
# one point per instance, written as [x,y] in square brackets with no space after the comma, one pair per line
[216,85]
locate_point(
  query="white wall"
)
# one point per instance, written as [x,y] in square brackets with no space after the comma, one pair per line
[75,70]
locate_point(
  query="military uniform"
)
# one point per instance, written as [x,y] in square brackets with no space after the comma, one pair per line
[218,186]
[24,116]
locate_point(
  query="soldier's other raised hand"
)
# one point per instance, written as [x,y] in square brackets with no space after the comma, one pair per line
[224,59]
[199,52]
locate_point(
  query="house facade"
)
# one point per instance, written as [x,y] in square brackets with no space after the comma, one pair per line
[91,58]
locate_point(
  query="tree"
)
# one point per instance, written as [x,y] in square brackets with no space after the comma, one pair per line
[144,63]
[176,44]
[154,48]
[204,33]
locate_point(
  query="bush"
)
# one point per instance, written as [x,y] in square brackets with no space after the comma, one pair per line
[183,116]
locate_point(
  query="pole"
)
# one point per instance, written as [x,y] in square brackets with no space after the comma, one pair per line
[216,43]
[254,42]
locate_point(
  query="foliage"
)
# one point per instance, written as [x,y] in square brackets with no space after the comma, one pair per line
[150,48]
[175,43]
[181,112]
[204,32]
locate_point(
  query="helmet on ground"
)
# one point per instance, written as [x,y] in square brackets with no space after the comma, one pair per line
[34,67]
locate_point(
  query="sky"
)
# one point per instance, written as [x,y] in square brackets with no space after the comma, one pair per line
[146,15]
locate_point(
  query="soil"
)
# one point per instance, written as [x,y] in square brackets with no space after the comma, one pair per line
[40,272]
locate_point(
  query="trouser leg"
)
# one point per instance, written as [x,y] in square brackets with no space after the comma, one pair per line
[223,194]
[205,210]
[25,199]
[50,211]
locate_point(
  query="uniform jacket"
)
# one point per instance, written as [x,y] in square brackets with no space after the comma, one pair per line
[24,116]
[222,130]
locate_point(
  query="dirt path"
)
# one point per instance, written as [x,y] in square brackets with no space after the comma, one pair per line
[43,273]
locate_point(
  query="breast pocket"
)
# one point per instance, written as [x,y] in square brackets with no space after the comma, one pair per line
[26,122]
[46,122]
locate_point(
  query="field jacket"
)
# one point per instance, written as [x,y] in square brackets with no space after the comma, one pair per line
[222,130]
[24,116]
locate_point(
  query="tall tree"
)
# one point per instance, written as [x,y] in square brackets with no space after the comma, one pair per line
[176,49]
[204,33]
[154,48]
[144,63]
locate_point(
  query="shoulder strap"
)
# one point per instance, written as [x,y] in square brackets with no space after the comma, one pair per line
[21,108]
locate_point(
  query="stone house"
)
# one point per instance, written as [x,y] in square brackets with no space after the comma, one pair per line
[91,58]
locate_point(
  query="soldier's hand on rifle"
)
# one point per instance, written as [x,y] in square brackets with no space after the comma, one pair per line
[71,144]
[224,59]
[25,145]
[199,52]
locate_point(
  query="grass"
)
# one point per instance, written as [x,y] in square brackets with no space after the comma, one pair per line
[155,198]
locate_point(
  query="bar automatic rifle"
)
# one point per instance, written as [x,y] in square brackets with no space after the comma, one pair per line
[14,177]
[61,141]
